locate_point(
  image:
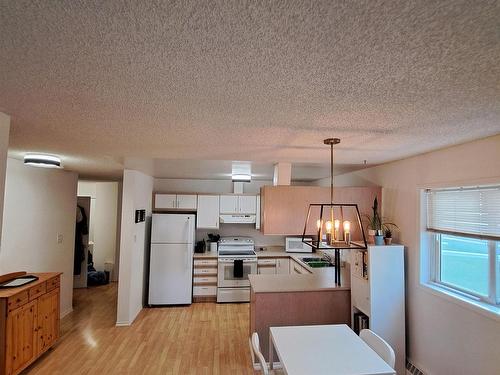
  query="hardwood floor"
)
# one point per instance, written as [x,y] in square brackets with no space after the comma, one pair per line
[204,338]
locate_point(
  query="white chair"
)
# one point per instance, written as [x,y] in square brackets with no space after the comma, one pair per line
[255,346]
[379,346]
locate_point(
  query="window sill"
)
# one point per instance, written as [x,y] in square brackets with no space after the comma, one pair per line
[490,311]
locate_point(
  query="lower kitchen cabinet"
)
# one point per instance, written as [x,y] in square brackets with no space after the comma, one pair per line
[297,268]
[29,322]
[266,266]
[204,279]
[283,266]
[273,266]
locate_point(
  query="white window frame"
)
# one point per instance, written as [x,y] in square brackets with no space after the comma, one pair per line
[435,272]
[426,244]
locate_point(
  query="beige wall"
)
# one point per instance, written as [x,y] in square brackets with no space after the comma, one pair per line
[4,145]
[443,337]
[40,204]
[137,189]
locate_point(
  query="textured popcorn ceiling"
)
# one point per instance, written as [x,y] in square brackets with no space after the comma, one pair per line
[100,81]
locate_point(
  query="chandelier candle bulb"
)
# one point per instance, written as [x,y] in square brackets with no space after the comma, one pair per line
[337,227]
[347,232]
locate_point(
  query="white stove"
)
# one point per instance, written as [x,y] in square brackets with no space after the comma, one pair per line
[237,247]
[236,260]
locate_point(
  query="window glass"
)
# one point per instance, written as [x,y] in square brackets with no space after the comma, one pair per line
[498,272]
[464,263]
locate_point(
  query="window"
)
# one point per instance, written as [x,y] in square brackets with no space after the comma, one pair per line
[465,226]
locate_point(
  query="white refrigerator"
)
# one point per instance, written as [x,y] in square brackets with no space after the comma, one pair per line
[171,259]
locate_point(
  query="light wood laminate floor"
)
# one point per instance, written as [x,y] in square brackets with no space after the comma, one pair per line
[204,338]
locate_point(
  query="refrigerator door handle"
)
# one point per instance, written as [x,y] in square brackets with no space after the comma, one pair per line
[188,242]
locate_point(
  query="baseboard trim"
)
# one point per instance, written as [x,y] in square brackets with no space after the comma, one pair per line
[123,324]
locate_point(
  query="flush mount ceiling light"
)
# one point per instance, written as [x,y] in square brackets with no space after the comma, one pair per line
[241,171]
[334,226]
[241,178]
[41,160]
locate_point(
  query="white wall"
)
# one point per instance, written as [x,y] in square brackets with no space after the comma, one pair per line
[4,145]
[442,337]
[134,245]
[103,220]
[221,186]
[39,205]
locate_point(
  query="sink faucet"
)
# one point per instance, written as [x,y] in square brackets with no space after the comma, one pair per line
[328,258]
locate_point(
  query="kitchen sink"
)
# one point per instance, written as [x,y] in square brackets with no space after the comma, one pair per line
[320,264]
[317,262]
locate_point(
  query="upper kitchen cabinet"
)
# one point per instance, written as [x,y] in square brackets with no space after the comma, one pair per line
[175,201]
[284,208]
[207,216]
[238,204]
[186,201]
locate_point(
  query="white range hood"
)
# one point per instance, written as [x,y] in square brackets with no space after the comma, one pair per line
[237,219]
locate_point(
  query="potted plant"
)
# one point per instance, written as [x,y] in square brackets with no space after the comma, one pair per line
[375,234]
[388,232]
[388,236]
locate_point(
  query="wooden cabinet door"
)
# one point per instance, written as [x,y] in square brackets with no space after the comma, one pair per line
[266,270]
[284,208]
[228,204]
[186,201]
[21,337]
[207,215]
[165,201]
[48,320]
[283,266]
[247,204]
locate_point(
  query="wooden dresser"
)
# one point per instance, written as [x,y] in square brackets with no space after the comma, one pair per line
[29,322]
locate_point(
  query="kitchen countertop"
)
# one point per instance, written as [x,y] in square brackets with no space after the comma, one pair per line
[206,255]
[320,279]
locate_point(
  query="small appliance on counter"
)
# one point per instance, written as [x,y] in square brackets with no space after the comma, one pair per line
[200,247]
[212,240]
[295,245]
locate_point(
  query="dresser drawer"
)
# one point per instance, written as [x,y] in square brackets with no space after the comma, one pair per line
[204,291]
[205,280]
[205,262]
[18,300]
[205,271]
[37,291]
[53,283]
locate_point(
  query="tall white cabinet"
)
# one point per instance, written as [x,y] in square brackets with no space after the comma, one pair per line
[379,293]
[207,216]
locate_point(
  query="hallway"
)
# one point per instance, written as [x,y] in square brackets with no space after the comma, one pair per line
[204,338]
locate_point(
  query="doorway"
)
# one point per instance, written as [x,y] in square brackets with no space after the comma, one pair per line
[99,201]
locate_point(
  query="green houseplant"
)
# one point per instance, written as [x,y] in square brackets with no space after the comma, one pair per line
[374,224]
[377,227]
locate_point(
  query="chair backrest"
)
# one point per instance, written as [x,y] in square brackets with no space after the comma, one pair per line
[258,354]
[379,345]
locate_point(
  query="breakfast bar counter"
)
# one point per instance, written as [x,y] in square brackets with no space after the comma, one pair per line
[297,299]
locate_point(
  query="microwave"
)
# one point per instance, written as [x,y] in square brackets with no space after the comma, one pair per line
[295,245]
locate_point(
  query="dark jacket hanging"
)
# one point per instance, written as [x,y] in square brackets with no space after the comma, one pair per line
[82,229]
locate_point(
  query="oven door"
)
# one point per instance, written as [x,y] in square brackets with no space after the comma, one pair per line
[225,273]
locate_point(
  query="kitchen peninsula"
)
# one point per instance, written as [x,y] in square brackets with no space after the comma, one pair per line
[298,299]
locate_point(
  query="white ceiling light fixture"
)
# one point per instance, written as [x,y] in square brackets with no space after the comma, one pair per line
[241,178]
[42,160]
[241,171]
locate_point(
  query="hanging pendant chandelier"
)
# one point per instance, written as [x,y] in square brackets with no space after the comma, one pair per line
[334,226]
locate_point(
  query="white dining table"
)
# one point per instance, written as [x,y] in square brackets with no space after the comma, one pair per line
[324,349]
